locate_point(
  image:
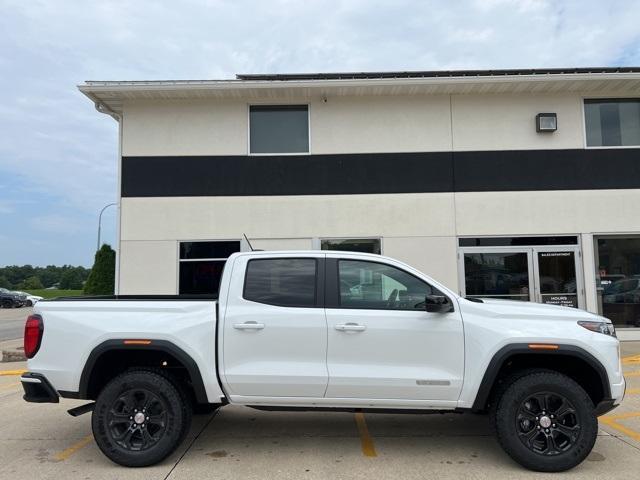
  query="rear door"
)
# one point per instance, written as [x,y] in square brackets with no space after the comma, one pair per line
[275,330]
[383,344]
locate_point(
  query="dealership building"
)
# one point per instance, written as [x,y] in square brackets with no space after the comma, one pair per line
[514,184]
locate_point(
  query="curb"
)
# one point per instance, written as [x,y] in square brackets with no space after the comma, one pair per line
[12,356]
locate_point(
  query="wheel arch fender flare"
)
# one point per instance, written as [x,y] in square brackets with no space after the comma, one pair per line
[164,346]
[508,351]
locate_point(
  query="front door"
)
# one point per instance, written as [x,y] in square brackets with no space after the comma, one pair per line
[275,331]
[557,278]
[544,274]
[382,344]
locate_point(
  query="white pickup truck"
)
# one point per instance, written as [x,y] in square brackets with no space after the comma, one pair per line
[329,330]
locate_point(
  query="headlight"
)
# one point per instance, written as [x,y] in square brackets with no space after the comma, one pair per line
[599,327]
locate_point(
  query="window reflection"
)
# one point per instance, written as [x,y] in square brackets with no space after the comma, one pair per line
[618,280]
[499,275]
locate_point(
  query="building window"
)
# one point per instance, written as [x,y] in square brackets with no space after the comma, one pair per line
[364,245]
[612,122]
[286,282]
[279,129]
[502,275]
[618,279]
[201,265]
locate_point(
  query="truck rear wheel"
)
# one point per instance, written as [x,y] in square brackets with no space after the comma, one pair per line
[140,418]
[545,421]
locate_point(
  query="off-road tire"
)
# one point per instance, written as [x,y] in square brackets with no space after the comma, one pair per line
[170,408]
[548,385]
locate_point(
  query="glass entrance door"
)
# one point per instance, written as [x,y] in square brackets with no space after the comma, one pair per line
[556,278]
[498,274]
[544,274]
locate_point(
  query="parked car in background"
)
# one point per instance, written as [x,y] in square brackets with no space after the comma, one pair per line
[31,300]
[10,299]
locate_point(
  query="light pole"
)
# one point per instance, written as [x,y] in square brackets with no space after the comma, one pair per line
[100,222]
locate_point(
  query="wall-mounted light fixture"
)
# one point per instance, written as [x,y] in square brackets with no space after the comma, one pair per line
[546,122]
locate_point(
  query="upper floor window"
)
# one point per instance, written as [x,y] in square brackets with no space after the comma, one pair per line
[286,282]
[612,122]
[279,129]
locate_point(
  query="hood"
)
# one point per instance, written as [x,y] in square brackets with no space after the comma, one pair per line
[515,309]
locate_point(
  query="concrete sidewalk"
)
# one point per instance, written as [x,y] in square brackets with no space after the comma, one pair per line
[12,351]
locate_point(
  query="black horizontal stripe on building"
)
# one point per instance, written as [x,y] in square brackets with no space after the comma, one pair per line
[367,173]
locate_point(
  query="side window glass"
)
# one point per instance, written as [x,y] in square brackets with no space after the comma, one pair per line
[286,282]
[370,285]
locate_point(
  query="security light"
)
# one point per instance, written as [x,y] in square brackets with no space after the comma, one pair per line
[546,122]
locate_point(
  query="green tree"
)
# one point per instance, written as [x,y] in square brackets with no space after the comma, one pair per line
[31,283]
[102,277]
[71,280]
[5,283]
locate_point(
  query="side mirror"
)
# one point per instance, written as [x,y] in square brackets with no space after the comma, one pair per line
[437,304]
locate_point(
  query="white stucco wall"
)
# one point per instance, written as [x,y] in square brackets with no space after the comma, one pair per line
[370,124]
[507,122]
[381,124]
[148,267]
[184,127]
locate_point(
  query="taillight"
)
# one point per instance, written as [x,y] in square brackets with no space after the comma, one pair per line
[33,330]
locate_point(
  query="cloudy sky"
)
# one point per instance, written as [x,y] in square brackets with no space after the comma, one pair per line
[58,155]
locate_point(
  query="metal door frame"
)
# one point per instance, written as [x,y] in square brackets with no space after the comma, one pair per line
[532,267]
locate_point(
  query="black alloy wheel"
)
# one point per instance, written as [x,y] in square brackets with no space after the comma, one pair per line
[141,417]
[547,423]
[137,419]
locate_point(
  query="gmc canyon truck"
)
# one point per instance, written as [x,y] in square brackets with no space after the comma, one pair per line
[325,330]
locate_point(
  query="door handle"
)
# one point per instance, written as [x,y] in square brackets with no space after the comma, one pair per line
[350,327]
[248,326]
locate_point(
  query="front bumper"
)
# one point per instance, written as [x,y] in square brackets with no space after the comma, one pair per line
[37,389]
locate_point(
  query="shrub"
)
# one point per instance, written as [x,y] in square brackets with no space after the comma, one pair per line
[31,283]
[102,277]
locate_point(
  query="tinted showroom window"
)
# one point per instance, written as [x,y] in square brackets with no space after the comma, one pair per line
[612,122]
[365,245]
[279,129]
[287,282]
[201,265]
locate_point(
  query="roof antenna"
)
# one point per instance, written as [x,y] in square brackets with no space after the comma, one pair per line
[248,242]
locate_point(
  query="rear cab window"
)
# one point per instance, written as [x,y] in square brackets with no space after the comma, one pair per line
[284,282]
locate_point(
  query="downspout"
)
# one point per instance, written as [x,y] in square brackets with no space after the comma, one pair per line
[102,108]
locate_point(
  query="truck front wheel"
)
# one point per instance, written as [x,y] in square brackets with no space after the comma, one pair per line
[140,418]
[545,421]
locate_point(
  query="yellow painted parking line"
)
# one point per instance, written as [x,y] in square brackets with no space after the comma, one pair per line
[612,421]
[621,416]
[632,391]
[632,360]
[368,448]
[631,374]
[11,372]
[63,455]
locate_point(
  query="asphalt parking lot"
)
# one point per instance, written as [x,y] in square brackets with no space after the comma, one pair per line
[12,322]
[42,441]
